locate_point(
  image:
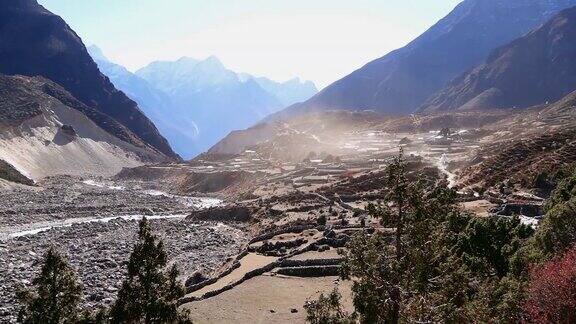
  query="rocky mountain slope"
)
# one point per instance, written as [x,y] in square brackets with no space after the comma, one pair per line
[401,81]
[155,104]
[532,70]
[195,103]
[45,131]
[537,144]
[564,108]
[207,100]
[35,42]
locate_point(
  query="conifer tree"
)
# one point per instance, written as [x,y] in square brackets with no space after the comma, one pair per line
[148,294]
[430,262]
[57,294]
[388,270]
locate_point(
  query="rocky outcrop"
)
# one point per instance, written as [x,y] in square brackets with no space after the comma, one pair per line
[8,172]
[35,42]
[68,130]
[17,104]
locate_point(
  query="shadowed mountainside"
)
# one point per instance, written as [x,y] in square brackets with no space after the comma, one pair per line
[401,81]
[535,69]
[35,42]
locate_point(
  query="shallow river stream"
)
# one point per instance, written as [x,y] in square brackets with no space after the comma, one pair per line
[20,230]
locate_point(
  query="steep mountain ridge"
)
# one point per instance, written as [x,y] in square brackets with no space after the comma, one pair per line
[287,92]
[207,100]
[401,81]
[186,72]
[194,103]
[166,75]
[154,103]
[45,131]
[532,70]
[35,42]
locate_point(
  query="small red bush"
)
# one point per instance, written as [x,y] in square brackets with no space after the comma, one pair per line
[552,291]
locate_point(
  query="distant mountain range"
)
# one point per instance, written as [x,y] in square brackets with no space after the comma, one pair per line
[195,103]
[35,42]
[536,69]
[288,92]
[401,81]
[484,54]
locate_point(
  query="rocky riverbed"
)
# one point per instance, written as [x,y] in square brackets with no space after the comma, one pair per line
[65,197]
[80,218]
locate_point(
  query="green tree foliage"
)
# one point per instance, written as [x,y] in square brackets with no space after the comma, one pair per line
[322,220]
[327,310]
[388,271]
[98,317]
[488,244]
[557,231]
[57,294]
[149,294]
[432,262]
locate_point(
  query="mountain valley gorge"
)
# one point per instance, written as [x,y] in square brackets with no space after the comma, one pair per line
[436,184]
[197,102]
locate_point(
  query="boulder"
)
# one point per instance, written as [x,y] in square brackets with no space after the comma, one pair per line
[68,130]
[196,278]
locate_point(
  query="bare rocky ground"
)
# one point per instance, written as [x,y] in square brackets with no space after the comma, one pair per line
[267,233]
[283,185]
[62,197]
[78,216]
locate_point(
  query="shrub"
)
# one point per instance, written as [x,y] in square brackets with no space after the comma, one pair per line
[327,310]
[322,220]
[552,291]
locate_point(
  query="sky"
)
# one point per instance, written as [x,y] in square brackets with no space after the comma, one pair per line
[317,40]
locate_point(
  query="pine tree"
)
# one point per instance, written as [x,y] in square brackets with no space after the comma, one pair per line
[431,262]
[389,270]
[148,295]
[57,295]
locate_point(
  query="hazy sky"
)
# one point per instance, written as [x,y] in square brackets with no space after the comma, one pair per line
[319,40]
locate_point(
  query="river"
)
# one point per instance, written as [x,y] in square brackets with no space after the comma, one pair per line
[15,231]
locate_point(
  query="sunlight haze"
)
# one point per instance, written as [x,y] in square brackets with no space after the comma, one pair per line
[320,40]
[287,161]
